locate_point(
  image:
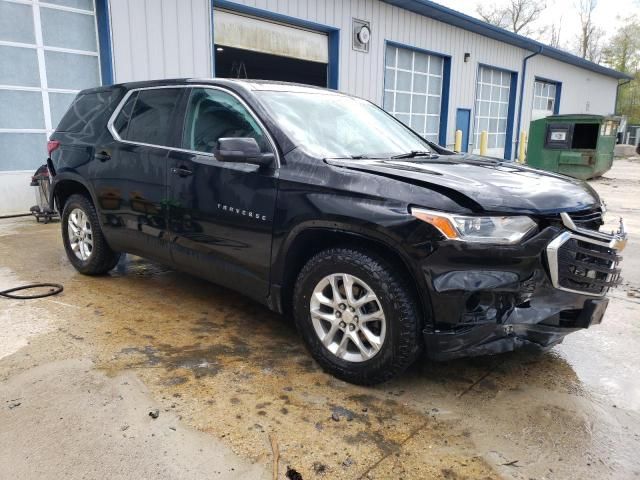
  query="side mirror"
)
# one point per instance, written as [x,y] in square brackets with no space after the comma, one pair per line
[242,150]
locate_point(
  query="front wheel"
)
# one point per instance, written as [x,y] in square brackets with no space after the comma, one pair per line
[357,315]
[86,247]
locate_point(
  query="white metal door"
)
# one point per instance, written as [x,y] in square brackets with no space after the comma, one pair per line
[413,89]
[544,99]
[492,109]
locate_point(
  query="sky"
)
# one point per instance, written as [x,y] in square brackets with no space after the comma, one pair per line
[609,14]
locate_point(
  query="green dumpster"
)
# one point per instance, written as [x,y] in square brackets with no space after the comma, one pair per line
[580,146]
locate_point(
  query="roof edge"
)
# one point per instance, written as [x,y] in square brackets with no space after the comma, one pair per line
[466,22]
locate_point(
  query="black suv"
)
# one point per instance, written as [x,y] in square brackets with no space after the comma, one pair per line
[322,205]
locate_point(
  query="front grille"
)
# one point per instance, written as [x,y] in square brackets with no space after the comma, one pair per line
[583,260]
[590,219]
[586,266]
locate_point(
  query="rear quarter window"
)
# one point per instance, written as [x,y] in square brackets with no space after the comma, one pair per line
[148,116]
[89,111]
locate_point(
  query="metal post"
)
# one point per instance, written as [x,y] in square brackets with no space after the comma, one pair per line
[484,141]
[458,145]
[522,153]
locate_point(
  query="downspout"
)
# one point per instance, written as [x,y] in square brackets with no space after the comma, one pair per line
[615,109]
[522,84]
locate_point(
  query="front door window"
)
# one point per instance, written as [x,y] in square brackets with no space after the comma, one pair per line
[213,114]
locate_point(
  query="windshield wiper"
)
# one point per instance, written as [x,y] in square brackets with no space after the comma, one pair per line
[416,153]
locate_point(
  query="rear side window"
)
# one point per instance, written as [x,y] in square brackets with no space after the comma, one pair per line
[121,123]
[89,111]
[147,116]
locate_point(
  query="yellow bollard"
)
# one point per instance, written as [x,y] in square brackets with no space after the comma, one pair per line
[522,151]
[484,141]
[458,145]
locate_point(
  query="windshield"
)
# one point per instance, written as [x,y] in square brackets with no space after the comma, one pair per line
[336,126]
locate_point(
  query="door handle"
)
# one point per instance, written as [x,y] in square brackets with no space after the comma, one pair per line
[181,171]
[102,156]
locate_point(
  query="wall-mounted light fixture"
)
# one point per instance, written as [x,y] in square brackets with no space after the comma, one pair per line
[467,56]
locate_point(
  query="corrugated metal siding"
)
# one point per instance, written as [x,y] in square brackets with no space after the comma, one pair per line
[156,38]
[160,39]
[582,91]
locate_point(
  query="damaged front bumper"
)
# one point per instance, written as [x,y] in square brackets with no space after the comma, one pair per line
[488,301]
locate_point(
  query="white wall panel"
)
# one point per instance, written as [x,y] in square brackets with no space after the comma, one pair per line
[17,196]
[160,39]
[583,91]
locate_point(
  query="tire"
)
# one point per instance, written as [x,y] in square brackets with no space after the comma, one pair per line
[98,259]
[399,341]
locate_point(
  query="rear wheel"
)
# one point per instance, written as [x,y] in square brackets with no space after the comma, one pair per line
[84,243]
[357,315]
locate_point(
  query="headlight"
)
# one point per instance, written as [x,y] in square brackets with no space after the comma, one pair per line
[496,230]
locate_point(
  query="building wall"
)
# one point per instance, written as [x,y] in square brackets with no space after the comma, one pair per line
[48,52]
[136,56]
[160,39]
[583,91]
[173,38]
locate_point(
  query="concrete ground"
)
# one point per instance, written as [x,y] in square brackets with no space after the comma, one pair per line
[80,372]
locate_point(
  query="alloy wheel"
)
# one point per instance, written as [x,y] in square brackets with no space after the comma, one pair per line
[347,317]
[80,234]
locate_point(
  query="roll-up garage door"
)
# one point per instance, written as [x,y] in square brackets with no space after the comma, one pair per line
[492,109]
[258,35]
[413,89]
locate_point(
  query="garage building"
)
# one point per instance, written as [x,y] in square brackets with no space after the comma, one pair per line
[434,68]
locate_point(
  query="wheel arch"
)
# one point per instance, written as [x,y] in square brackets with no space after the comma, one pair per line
[306,242]
[66,185]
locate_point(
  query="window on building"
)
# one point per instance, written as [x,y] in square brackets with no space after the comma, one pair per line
[492,108]
[36,90]
[544,99]
[213,114]
[413,89]
[152,116]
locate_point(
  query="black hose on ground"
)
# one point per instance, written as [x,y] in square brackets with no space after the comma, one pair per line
[55,289]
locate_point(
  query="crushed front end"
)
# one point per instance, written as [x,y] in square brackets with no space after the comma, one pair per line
[488,300]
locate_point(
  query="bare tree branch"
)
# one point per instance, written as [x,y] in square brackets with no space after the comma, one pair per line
[517,16]
[590,35]
[555,31]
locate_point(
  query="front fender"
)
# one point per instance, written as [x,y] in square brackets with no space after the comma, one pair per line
[286,250]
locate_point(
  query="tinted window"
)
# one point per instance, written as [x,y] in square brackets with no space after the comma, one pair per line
[121,123]
[152,115]
[90,111]
[214,114]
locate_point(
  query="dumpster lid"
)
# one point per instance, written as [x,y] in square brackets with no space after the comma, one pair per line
[581,117]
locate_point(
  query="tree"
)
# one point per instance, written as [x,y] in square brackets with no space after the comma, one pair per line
[517,16]
[622,53]
[555,30]
[590,34]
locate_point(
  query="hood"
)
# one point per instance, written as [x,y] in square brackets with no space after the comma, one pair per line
[484,184]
